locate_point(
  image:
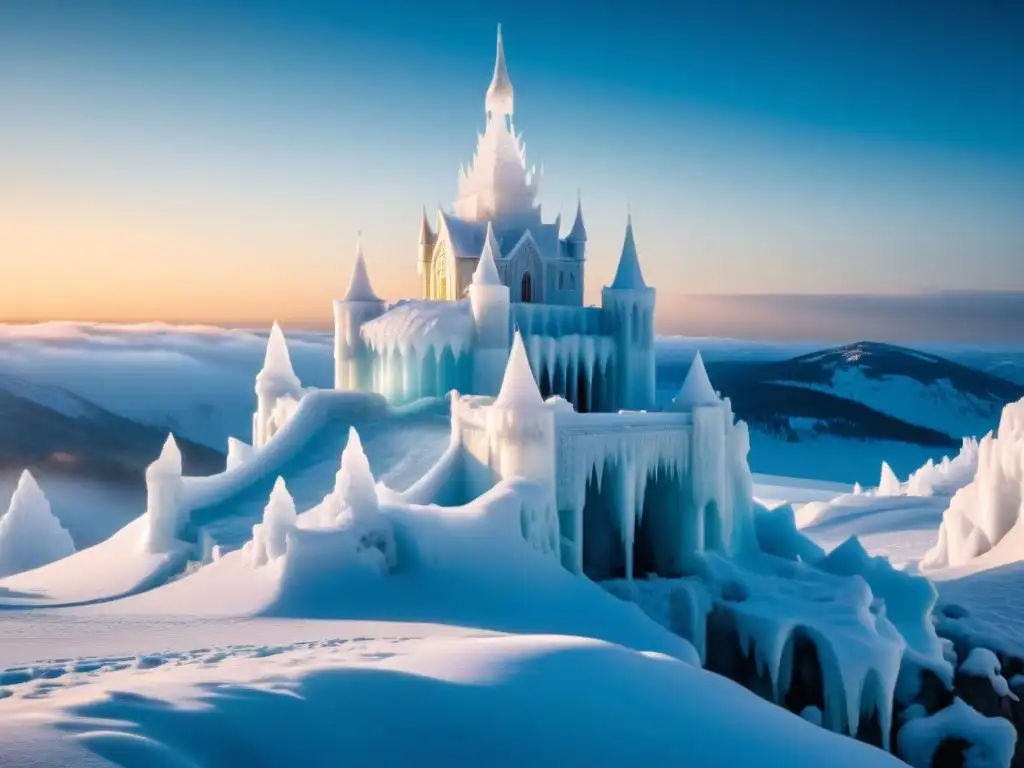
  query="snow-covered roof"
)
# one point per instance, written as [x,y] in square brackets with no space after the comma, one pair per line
[415,326]
[499,99]
[696,390]
[578,233]
[466,238]
[486,271]
[628,275]
[359,288]
[518,387]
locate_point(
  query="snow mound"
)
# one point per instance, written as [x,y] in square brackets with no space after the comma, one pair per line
[949,475]
[30,535]
[990,740]
[983,518]
[495,701]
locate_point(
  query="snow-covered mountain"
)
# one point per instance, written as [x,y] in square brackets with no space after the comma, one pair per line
[50,430]
[867,390]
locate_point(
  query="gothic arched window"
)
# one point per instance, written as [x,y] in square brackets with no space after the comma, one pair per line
[526,291]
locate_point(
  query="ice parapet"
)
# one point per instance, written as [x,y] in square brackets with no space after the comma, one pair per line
[30,535]
[982,513]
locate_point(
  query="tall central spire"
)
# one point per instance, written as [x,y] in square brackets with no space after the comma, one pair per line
[499,99]
[498,183]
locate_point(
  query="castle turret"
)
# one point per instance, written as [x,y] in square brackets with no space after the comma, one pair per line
[427,240]
[576,250]
[353,363]
[521,427]
[708,513]
[276,380]
[629,309]
[490,301]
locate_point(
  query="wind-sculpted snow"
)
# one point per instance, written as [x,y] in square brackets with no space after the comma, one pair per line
[401,445]
[30,535]
[501,701]
[981,527]
[949,475]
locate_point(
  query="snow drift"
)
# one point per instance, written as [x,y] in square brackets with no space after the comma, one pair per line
[983,518]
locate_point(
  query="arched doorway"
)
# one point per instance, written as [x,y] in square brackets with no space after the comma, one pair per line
[526,292]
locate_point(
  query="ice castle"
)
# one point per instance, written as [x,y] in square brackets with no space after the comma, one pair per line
[492,265]
[541,387]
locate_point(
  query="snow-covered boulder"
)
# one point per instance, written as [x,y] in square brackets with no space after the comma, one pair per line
[990,740]
[30,535]
[984,512]
[270,538]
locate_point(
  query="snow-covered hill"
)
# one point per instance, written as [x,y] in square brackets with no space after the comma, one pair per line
[50,430]
[918,388]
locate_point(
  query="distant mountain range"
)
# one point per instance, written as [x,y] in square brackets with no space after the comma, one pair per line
[866,390]
[50,430]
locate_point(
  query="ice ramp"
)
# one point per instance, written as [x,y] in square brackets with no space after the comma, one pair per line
[402,444]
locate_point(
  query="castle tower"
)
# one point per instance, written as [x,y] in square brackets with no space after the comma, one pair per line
[628,305]
[490,301]
[498,184]
[707,513]
[277,379]
[576,248]
[427,240]
[520,426]
[353,363]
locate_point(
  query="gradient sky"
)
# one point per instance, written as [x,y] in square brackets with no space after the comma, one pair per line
[203,161]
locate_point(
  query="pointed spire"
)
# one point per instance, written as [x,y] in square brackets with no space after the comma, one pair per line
[277,360]
[486,270]
[169,461]
[628,275]
[359,288]
[426,234]
[578,233]
[518,388]
[499,94]
[696,389]
[354,486]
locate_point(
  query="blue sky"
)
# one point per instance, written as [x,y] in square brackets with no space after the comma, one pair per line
[213,160]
